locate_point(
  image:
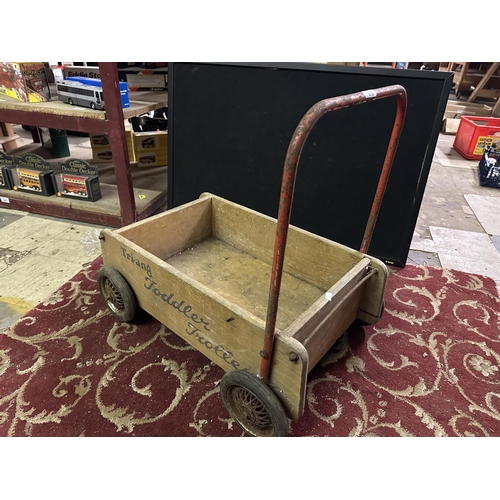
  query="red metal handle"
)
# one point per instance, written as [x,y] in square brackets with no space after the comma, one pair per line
[288,185]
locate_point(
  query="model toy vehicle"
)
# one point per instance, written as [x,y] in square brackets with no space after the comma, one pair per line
[74,185]
[77,93]
[28,179]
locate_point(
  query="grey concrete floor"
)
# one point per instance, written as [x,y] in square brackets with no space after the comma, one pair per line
[458,227]
[38,254]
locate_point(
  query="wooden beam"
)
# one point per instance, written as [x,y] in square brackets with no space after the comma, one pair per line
[484,81]
[118,140]
[496,107]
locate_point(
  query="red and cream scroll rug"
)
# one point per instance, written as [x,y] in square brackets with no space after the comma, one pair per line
[429,367]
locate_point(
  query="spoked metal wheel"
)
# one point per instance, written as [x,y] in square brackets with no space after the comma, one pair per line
[116,293]
[253,405]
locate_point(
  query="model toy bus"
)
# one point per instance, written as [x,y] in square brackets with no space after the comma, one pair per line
[73,92]
[74,185]
[28,179]
[96,83]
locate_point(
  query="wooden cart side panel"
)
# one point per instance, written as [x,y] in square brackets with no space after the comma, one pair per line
[323,323]
[171,232]
[370,306]
[227,335]
[309,257]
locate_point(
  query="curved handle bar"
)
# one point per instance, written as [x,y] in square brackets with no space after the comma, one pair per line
[288,185]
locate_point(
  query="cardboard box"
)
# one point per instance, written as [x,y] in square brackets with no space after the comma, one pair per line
[151,141]
[147,81]
[98,140]
[6,162]
[77,179]
[151,148]
[459,109]
[101,149]
[24,81]
[5,180]
[130,144]
[102,155]
[32,174]
[85,71]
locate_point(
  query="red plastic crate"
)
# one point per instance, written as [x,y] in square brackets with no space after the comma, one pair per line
[474,134]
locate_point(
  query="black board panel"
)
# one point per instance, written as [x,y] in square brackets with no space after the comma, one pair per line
[230,125]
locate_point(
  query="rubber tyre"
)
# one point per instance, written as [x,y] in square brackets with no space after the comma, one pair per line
[117,294]
[92,105]
[253,405]
[70,102]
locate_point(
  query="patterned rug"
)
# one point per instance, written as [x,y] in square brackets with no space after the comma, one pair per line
[429,367]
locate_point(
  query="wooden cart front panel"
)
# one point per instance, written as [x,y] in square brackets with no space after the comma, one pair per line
[372,300]
[229,336]
[324,322]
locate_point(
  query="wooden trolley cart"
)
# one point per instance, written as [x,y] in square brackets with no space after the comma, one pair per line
[207,271]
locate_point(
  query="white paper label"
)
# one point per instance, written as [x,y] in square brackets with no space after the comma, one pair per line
[4,200]
[328,296]
[369,93]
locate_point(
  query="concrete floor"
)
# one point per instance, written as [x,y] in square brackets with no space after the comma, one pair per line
[458,227]
[38,254]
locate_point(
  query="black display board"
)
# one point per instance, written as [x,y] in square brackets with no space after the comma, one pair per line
[230,125]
